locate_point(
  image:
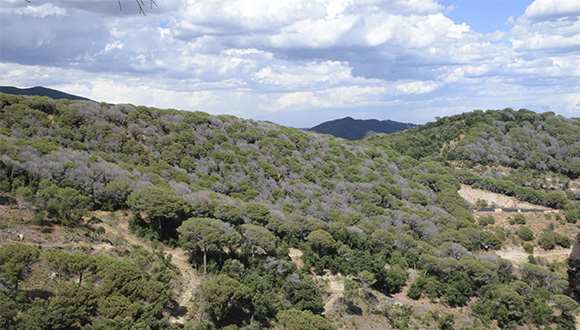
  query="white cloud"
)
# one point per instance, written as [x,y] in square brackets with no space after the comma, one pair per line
[42,11]
[293,60]
[417,87]
[541,10]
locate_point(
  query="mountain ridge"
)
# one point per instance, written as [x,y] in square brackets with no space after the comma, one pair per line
[42,91]
[357,129]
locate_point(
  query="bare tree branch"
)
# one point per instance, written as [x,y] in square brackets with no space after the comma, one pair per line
[140,3]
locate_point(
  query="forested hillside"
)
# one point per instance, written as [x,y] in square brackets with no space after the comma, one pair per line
[357,129]
[273,218]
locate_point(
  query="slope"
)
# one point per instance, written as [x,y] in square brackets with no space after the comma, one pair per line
[238,194]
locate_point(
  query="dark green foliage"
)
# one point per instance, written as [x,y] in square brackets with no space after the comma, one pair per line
[485,220]
[520,219]
[321,239]
[14,262]
[549,240]
[525,233]
[202,233]
[447,322]
[161,205]
[225,299]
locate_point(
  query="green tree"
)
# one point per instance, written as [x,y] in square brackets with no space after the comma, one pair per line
[69,264]
[547,241]
[225,297]
[321,239]
[161,205]
[117,192]
[229,213]
[202,233]
[257,213]
[258,237]
[66,205]
[14,262]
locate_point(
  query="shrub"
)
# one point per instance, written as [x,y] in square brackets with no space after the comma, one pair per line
[525,233]
[485,220]
[520,219]
[529,248]
[546,241]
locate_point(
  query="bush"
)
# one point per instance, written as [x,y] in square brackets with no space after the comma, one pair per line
[562,240]
[546,241]
[529,248]
[520,219]
[525,233]
[485,220]
[549,241]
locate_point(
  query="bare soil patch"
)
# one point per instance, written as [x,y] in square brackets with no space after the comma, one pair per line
[472,195]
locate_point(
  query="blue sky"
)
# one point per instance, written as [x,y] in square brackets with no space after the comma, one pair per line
[485,16]
[301,62]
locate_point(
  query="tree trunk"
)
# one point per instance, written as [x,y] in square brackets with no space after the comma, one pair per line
[204,261]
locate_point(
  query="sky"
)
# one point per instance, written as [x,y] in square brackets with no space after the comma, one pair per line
[301,62]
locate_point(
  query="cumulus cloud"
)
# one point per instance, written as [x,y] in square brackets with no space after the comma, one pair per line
[277,60]
[542,10]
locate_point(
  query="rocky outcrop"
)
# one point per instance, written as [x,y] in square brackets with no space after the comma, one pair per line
[574,268]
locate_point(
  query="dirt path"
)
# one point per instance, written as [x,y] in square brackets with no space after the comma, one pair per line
[518,256]
[296,256]
[178,257]
[472,195]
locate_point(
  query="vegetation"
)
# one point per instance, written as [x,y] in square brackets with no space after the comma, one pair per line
[238,194]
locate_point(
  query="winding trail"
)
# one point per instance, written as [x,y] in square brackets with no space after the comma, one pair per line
[178,257]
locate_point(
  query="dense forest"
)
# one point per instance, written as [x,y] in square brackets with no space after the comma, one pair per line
[382,216]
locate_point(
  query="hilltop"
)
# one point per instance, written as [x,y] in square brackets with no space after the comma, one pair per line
[41,91]
[357,129]
[120,216]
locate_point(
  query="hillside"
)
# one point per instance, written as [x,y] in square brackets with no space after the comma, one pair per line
[357,129]
[283,229]
[41,91]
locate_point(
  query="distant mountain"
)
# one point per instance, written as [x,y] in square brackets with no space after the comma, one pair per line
[357,129]
[41,91]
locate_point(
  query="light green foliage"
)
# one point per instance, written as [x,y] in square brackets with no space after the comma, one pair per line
[257,212]
[549,240]
[418,197]
[117,193]
[529,248]
[520,219]
[370,209]
[302,320]
[321,239]
[68,265]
